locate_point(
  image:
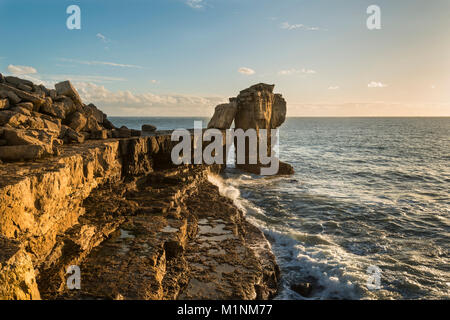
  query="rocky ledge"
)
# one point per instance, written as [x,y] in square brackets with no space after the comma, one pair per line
[76,191]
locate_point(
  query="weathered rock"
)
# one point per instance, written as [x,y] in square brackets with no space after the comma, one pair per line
[108,124]
[99,135]
[21,110]
[77,121]
[17,276]
[68,135]
[91,125]
[91,110]
[2,78]
[4,104]
[223,116]
[26,105]
[24,87]
[278,111]
[23,95]
[52,93]
[44,138]
[148,128]
[13,97]
[124,132]
[23,152]
[17,81]
[136,133]
[65,88]
[259,108]
[56,110]
[48,102]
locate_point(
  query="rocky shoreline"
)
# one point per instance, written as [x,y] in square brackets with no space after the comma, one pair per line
[76,191]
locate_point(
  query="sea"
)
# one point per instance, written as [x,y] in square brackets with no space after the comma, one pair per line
[366,214]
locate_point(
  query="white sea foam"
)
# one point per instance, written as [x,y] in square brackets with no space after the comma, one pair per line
[336,274]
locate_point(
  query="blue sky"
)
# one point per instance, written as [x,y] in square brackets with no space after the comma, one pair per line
[182,57]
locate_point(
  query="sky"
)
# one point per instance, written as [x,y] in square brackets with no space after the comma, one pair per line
[183,57]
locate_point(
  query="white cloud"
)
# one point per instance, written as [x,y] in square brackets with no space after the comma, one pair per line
[102,37]
[154,81]
[103,63]
[333,88]
[375,84]
[126,102]
[21,70]
[288,26]
[196,4]
[295,71]
[246,71]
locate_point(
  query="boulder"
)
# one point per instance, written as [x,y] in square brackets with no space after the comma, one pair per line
[22,152]
[66,88]
[26,105]
[4,104]
[25,96]
[17,81]
[17,137]
[223,116]
[21,110]
[13,97]
[56,110]
[2,78]
[148,128]
[48,102]
[68,135]
[136,133]
[24,87]
[13,119]
[108,124]
[52,93]
[99,135]
[124,132]
[91,125]
[92,110]
[77,121]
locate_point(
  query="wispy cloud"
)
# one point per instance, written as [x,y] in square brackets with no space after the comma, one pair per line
[246,71]
[375,84]
[102,37]
[101,63]
[296,71]
[21,70]
[333,88]
[196,4]
[288,26]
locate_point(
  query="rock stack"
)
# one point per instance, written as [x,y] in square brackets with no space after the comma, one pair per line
[256,108]
[36,121]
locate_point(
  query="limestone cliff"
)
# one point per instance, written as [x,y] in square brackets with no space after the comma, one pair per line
[255,108]
[75,190]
